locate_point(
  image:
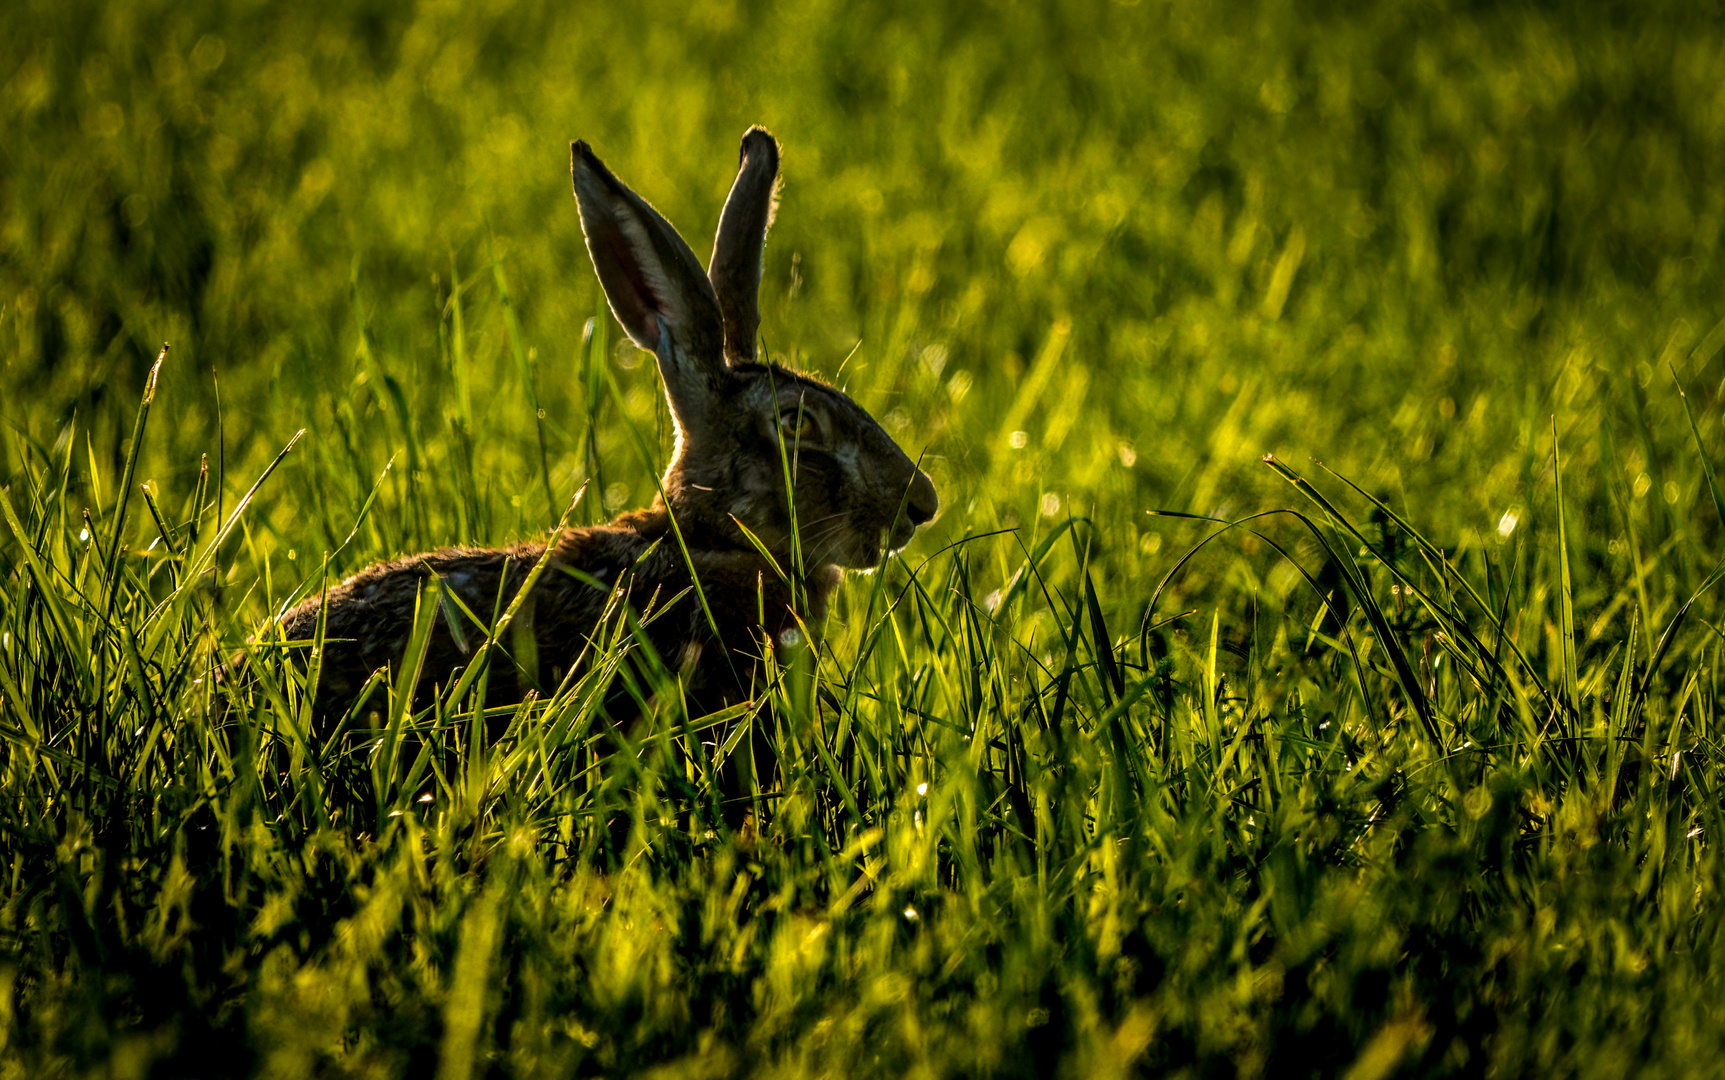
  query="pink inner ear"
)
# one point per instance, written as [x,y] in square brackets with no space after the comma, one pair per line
[645,326]
[626,287]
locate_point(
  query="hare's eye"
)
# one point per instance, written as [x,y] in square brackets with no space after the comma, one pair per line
[798,424]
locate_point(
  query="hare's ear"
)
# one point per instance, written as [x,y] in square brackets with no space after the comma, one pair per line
[736,267]
[652,281]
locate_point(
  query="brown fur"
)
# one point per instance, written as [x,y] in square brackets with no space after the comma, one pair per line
[741,428]
[371,614]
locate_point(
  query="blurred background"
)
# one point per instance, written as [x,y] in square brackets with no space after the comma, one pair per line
[1091,258]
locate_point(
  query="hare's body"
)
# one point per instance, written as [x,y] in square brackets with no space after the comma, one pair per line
[635,560]
[763,456]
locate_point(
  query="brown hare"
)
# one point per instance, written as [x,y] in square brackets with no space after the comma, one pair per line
[745,433]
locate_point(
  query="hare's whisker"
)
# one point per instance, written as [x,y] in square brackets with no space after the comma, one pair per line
[822,519]
[831,530]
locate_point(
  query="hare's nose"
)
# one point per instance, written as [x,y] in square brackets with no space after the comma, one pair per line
[922,502]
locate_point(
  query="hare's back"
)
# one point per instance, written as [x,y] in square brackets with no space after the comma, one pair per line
[368,618]
[378,602]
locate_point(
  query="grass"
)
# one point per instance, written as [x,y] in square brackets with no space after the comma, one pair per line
[1314,668]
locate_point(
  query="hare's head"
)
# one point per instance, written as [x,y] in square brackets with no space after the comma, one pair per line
[750,436]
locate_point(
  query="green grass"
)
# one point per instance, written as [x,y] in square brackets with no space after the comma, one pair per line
[1391,753]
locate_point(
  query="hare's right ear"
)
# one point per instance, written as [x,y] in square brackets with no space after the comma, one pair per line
[736,267]
[652,281]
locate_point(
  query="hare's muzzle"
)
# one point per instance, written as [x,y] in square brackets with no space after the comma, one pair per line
[921,502]
[920,505]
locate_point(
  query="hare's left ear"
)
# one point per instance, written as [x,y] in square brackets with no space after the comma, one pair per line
[653,282]
[736,267]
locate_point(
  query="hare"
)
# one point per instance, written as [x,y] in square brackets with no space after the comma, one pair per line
[742,428]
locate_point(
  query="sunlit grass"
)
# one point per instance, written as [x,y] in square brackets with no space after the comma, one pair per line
[1314,664]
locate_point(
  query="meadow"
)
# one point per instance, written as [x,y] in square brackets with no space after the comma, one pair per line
[1312,670]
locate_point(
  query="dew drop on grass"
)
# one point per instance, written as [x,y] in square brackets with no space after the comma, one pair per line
[922,789]
[1507,523]
[1018,439]
[910,913]
[208,53]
